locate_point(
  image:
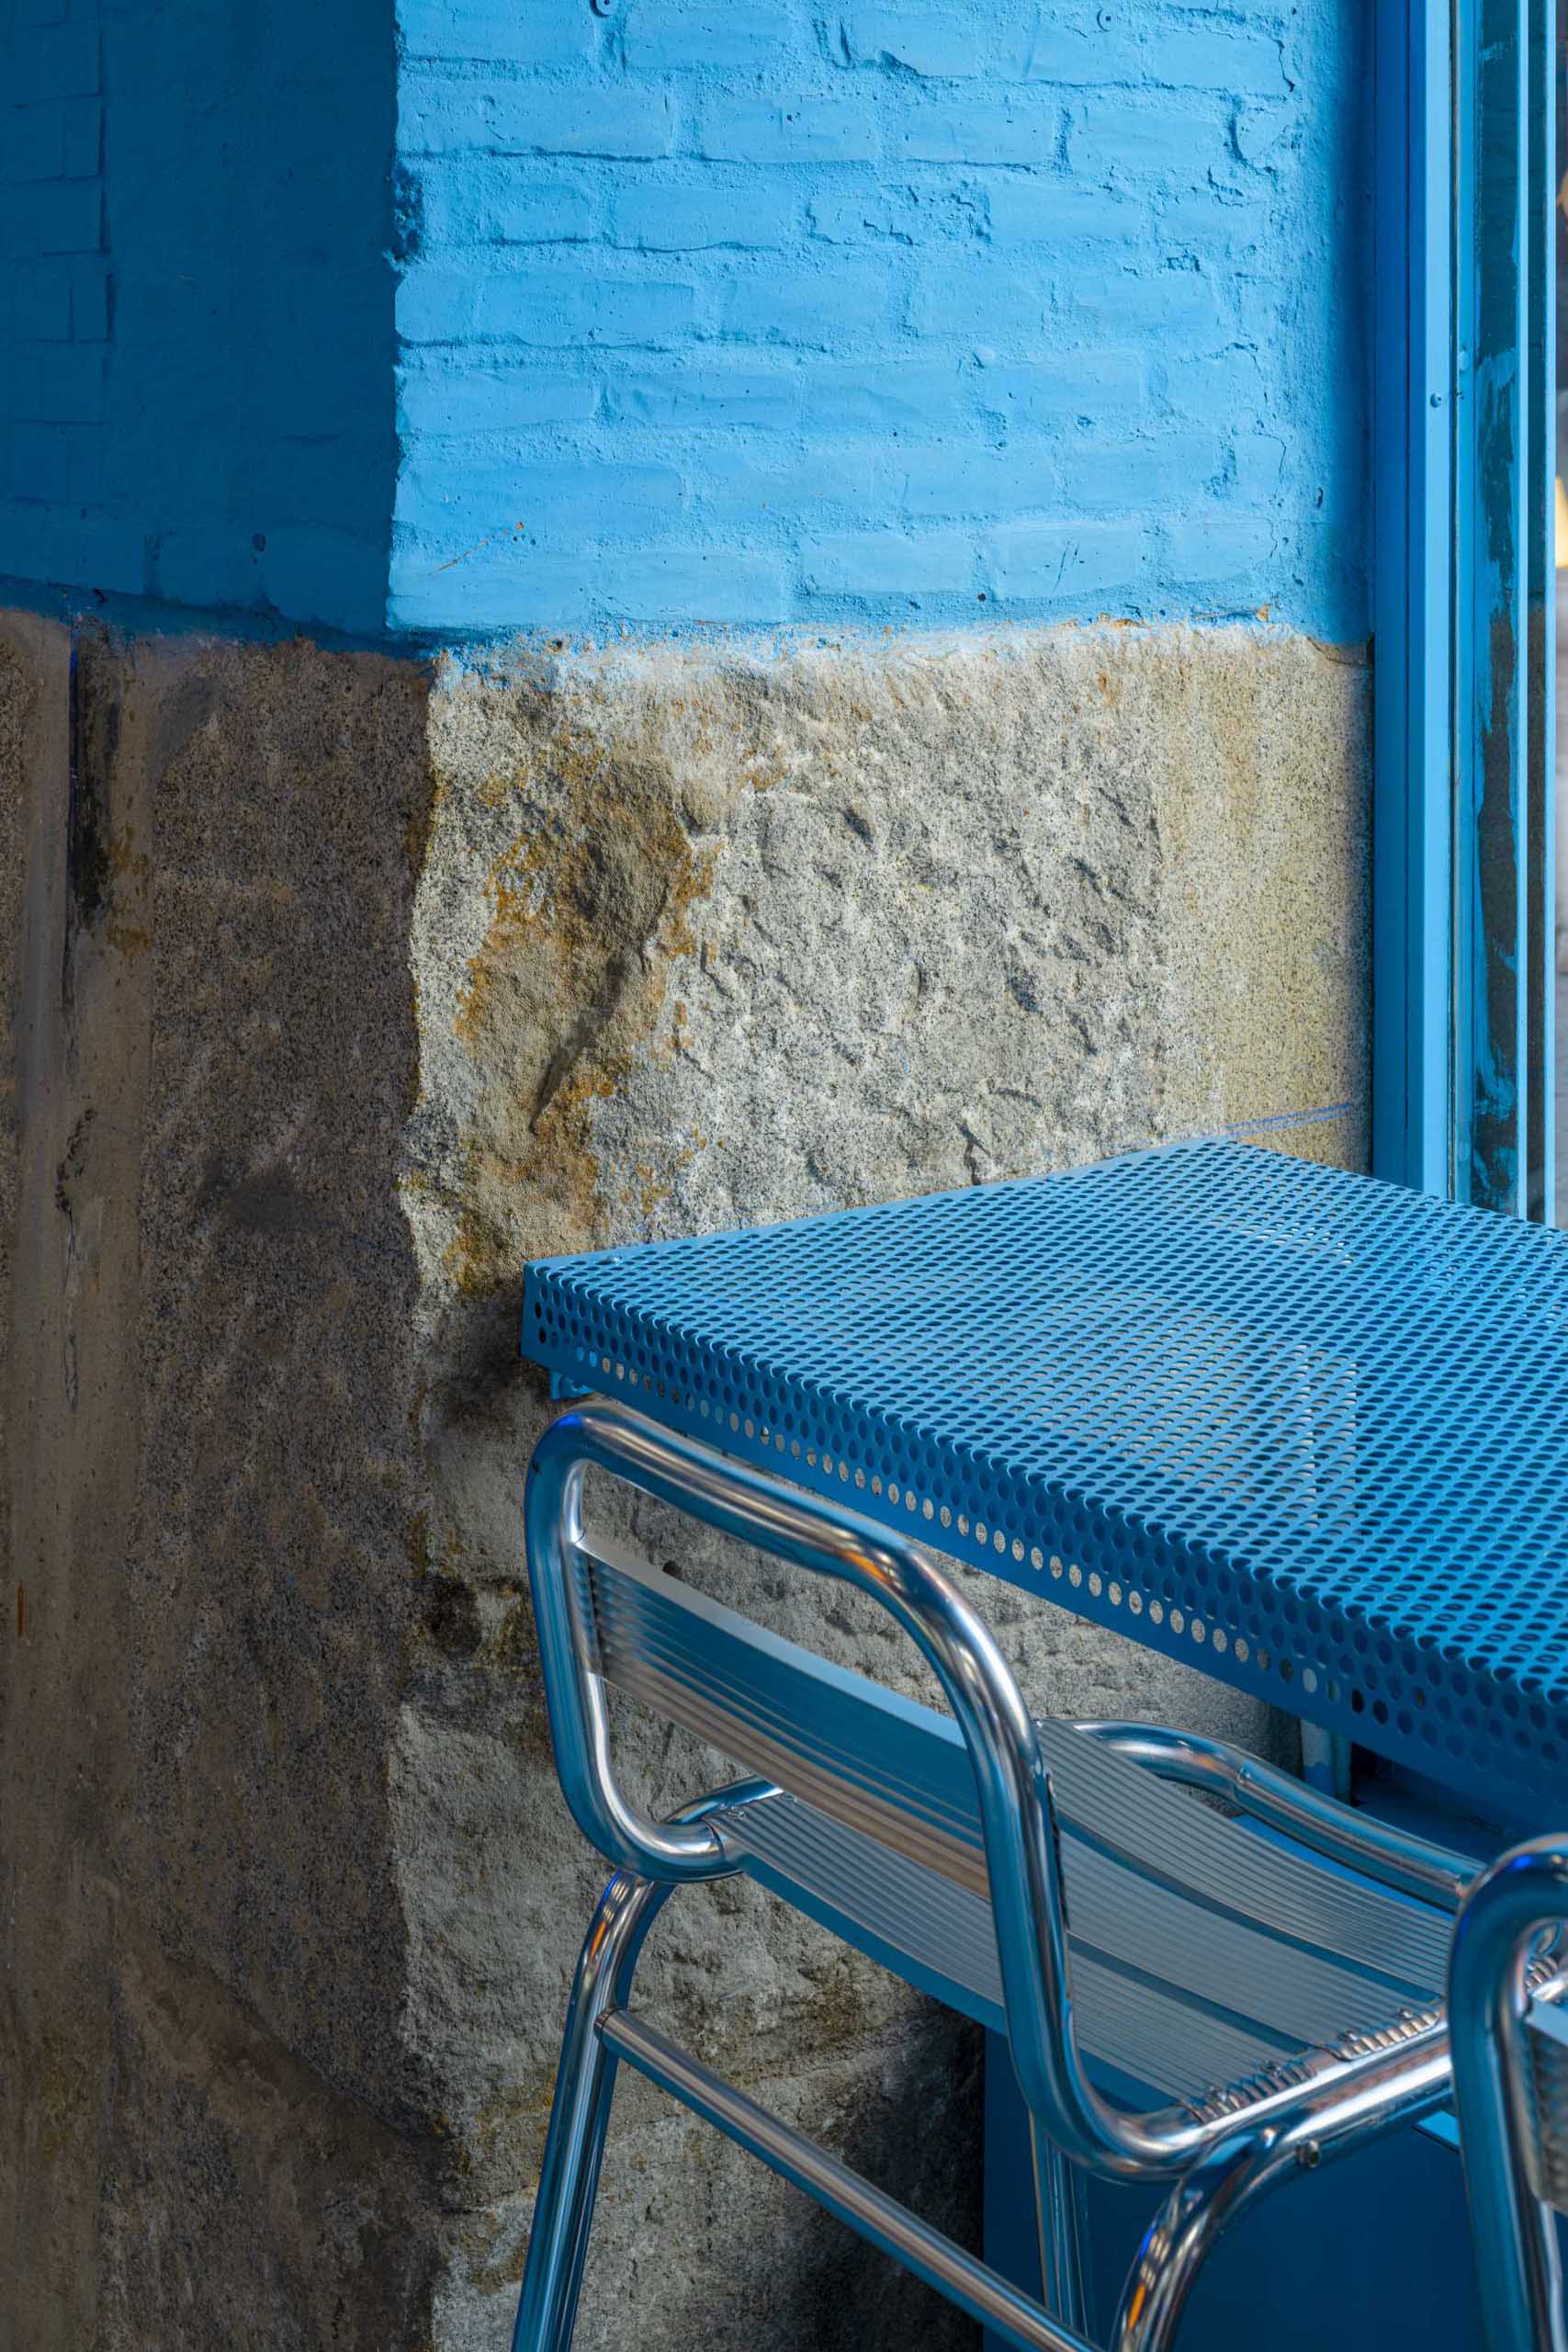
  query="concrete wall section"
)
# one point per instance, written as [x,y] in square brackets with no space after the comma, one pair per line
[889,313]
[338,991]
[195,302]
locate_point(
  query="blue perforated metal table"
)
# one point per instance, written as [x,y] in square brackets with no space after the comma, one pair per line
[1304,1431]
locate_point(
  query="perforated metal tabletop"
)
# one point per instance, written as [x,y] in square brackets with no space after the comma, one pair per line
[1304,1431]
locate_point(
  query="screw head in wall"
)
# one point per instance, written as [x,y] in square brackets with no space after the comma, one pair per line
[602,7]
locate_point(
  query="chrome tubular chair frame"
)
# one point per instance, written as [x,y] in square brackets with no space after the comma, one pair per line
[1217,2163]
[1502,2124]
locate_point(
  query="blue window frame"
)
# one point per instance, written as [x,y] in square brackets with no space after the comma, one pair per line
[1462,1016]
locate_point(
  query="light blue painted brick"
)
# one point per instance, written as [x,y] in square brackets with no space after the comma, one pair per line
[683,36]
[933,40]
[1210,220]
[108,554]
[891,394]
[1010,126]
[1259,458]
[516,495]
[41,296]
[820,309]
[19,227]
[661,586]
[1260,131]
[1047,207]
[697,217]
[1218,55]
[1168,309]
[71,217]
[68,61]
[478,396]
[41,463]
[987,298]
[1147,136]
[1217,549]
[889,563]
[714,585]
[89,302]
[28,550]
[88,449]
[193,565]
[941,480]
[1229,383]
[1063,562]
[862,215]
[1134,44]
[507,200]
[33,147]
[747,483]
[41,542]
[791,130]
[506,588]
[555,308]
[707,398]
[521,32]
[1080,46]
[1085,384]
[1164,472]
[325,575]
[445,116]
[60,383]
[82,138]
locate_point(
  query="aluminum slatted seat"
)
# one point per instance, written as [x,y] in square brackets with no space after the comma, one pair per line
[875,1831]
[1183,1999]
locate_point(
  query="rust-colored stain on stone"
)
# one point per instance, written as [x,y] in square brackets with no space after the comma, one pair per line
[588,904]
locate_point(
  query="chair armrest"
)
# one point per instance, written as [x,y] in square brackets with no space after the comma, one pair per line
[1394,1857]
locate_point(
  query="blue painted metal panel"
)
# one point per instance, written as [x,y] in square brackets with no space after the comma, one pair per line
[1297,1427]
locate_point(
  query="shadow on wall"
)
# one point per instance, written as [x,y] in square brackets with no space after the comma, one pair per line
[200,398]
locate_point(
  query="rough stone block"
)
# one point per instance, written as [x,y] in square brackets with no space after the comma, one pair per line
[339,987]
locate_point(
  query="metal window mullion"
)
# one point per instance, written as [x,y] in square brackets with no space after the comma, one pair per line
[1540,198]
[1416,634]
[1499,818]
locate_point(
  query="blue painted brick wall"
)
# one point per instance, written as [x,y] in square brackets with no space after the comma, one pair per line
[472,315]
[902,311]
[196,294]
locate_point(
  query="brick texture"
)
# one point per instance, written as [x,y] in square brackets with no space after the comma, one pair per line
[56,303]
[903,310]
[196,299]
[893,311]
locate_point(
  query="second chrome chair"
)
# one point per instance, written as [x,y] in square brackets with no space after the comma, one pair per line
[1047,1880]
[1511,2092]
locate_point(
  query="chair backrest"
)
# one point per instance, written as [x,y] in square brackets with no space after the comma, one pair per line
[1510,2064]
[854,1749]
[972,1800]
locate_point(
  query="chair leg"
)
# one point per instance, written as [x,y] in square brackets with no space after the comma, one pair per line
[568,2179]
[1063,2225]
[1181,2236]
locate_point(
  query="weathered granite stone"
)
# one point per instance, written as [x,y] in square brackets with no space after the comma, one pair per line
[340,988]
